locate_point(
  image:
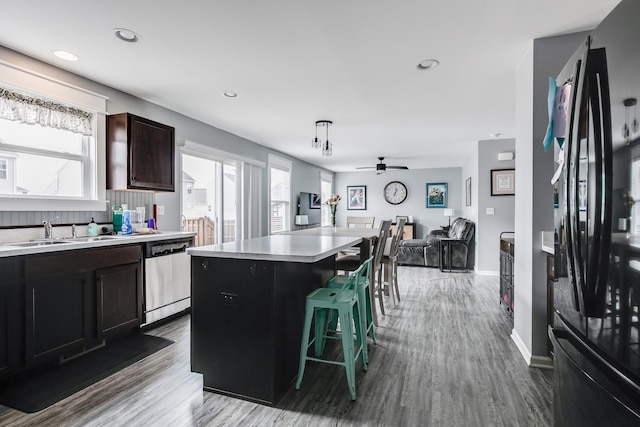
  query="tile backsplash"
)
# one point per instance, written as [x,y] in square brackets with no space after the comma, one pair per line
[132,198]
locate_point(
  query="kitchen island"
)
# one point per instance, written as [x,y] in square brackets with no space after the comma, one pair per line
[248,310]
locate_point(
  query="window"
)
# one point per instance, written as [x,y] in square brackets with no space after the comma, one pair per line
[279,194]
[51,144]
[326,185]
[47,161]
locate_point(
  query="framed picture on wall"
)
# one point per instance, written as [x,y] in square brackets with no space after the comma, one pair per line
[503,182]
[357,197]
[467,191]
[315,201]
[437,195]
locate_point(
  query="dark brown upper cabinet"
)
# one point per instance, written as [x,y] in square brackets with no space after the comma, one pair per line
[140,154]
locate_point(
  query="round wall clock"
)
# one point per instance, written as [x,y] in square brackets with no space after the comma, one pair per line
[395,192]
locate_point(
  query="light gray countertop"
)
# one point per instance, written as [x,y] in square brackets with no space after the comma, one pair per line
[279,247]
[7,249]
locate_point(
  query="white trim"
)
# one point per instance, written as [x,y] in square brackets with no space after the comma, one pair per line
[190,147]
[487,273]
[279,162]
[524,351]
[39,84]
[542,362]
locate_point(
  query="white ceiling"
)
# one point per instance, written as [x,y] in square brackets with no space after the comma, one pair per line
[296,61]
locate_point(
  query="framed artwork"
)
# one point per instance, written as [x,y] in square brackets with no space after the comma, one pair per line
[315,201]
[503,182]
[467,191]
[357,197]
[582,195]
[437,195]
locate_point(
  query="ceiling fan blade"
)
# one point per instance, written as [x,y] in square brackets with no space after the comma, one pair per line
[365,167]
[397,167]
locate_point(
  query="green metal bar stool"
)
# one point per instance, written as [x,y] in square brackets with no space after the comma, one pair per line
[365,314]
[345,302]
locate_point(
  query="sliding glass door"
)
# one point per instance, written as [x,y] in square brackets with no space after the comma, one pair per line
[209,194]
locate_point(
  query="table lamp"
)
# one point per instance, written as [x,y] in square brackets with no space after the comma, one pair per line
[449,213]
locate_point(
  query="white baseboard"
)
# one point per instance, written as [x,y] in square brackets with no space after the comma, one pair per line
[487,273]
[542,362]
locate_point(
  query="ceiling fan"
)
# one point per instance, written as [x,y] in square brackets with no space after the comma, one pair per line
[381,167]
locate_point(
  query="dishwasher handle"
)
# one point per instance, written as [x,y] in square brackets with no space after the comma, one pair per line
[167,249]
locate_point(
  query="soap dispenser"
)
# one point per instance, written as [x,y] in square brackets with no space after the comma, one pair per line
[92,228]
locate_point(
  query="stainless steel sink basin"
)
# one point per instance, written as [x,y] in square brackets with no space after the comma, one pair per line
[91,239]
[37,243]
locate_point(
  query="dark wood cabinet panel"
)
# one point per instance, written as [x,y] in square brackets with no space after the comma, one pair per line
[11,317]
[140,154]
[119,293]
[58,315]
[76,299]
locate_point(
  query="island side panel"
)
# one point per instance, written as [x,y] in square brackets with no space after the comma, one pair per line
[294,281]
[246,325]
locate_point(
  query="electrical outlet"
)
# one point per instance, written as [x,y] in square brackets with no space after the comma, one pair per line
[160,209]
[491,211]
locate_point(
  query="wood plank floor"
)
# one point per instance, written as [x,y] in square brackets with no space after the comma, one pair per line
[444,358]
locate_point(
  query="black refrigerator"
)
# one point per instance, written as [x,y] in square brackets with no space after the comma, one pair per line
[595,332]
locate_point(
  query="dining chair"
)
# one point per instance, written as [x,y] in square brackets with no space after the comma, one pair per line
[376,285]
[390,263]
[360,221]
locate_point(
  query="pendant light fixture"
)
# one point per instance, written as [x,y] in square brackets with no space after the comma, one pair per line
[327,147]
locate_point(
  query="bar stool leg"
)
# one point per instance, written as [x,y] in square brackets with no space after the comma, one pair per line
[304,345]
[347,348]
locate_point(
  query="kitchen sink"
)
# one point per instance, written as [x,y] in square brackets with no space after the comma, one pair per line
[90,239]
[37,243]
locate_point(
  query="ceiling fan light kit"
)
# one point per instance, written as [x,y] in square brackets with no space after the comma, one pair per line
[327,147]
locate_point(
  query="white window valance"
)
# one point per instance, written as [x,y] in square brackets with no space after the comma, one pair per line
[32,110]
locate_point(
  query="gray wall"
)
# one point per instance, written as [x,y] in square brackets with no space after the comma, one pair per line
[427,219]
[534,195]
[490,226]
[186,129]
[470,170]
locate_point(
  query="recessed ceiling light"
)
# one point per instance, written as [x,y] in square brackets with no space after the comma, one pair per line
[63,54]
[229,94]
[126,35]
[427,64]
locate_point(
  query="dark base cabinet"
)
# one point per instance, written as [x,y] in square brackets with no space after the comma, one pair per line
[76,299]
[11,316]
[246,323]
[119,303]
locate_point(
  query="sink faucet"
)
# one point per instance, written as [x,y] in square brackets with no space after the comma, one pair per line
[48,228]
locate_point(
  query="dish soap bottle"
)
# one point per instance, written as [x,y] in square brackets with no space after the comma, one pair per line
[92,228]
[126,222]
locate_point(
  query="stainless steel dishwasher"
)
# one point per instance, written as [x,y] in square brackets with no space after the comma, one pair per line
[167,279]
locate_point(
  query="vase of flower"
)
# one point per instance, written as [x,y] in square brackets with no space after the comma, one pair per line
[333,205]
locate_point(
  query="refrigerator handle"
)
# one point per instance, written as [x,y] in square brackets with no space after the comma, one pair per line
[572,157]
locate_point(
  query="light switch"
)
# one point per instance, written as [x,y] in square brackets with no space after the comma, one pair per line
[160,209]
[491,211]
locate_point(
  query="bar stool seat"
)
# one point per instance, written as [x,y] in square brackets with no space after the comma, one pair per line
[318,304]
[364,302]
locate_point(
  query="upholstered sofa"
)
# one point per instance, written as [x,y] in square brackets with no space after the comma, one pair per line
[429,251]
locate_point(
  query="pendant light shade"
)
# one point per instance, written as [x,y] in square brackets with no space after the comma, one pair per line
[327,147]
